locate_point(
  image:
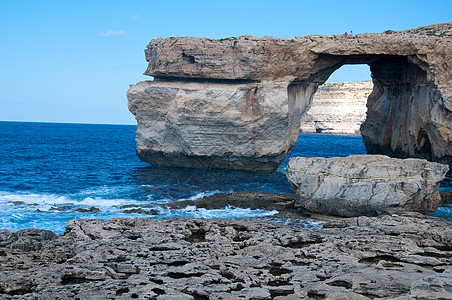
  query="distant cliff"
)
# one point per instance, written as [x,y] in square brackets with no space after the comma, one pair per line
[337,108]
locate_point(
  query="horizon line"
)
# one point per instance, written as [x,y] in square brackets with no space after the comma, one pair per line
[61,122]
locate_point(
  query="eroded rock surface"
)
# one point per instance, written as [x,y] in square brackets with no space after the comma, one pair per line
[365,184]
[406,256]
[214,125]
[237,102]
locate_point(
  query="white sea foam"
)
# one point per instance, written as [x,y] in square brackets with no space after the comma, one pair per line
[46,201]
[105,190]
[19,210]
[227,212]
[30,198]
[301,223]
[282,169]
[203,194]
[103,202]
[191,198]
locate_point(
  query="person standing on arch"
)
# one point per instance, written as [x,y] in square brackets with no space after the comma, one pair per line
[351,34]
[346,34]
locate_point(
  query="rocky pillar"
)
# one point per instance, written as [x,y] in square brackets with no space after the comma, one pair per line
[217,124]
[406,113]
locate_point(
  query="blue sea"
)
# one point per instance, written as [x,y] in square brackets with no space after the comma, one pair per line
[51,173]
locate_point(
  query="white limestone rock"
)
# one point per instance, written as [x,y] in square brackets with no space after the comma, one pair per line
[337,108]
[198,124]
[365,184]
[260,87]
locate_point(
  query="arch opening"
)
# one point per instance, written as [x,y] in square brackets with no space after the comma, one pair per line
[398,121]
[339,105]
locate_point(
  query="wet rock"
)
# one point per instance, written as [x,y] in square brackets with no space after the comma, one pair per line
[407,256]
[365,184]
[240,199]
[92,209]
[16,202]
[141,211]
[446,197]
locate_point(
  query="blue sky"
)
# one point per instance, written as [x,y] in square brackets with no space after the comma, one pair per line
[73,61]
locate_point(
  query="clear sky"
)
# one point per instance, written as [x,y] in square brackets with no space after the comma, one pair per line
[73,61]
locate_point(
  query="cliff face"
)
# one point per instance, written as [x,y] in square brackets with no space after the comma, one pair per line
[337,108]
[237,102]
[209,124]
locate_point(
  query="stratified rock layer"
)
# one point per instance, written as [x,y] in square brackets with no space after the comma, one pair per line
[400,257]
[214,125]
[365,184]
[237,102]
[337,108]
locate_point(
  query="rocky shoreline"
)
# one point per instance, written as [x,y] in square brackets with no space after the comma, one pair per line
[405,256]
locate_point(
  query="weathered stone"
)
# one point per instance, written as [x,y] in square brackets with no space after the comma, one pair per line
[357,258]
[215,125]
[365,184]
[237,102]
[337,108]
[26,240]
[250,200]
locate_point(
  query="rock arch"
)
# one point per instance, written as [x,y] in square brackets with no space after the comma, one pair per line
[236,103]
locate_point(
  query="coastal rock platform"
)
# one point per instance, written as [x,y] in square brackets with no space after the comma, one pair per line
[393,256]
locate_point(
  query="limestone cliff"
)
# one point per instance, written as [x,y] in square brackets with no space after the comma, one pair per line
[237,102]
[337,108]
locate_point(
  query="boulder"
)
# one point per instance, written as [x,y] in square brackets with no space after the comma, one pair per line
[237,102]
[365,184]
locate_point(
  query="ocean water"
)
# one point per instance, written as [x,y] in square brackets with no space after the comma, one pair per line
[51,173]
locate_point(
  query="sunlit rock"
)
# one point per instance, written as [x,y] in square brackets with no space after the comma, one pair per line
[337,108]
[237,102]
[365,184]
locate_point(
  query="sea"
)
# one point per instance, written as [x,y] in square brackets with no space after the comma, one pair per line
[52,172]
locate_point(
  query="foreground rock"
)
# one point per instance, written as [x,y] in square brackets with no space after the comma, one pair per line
[365,184]
[337,108]
[237,102]
[399,257]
